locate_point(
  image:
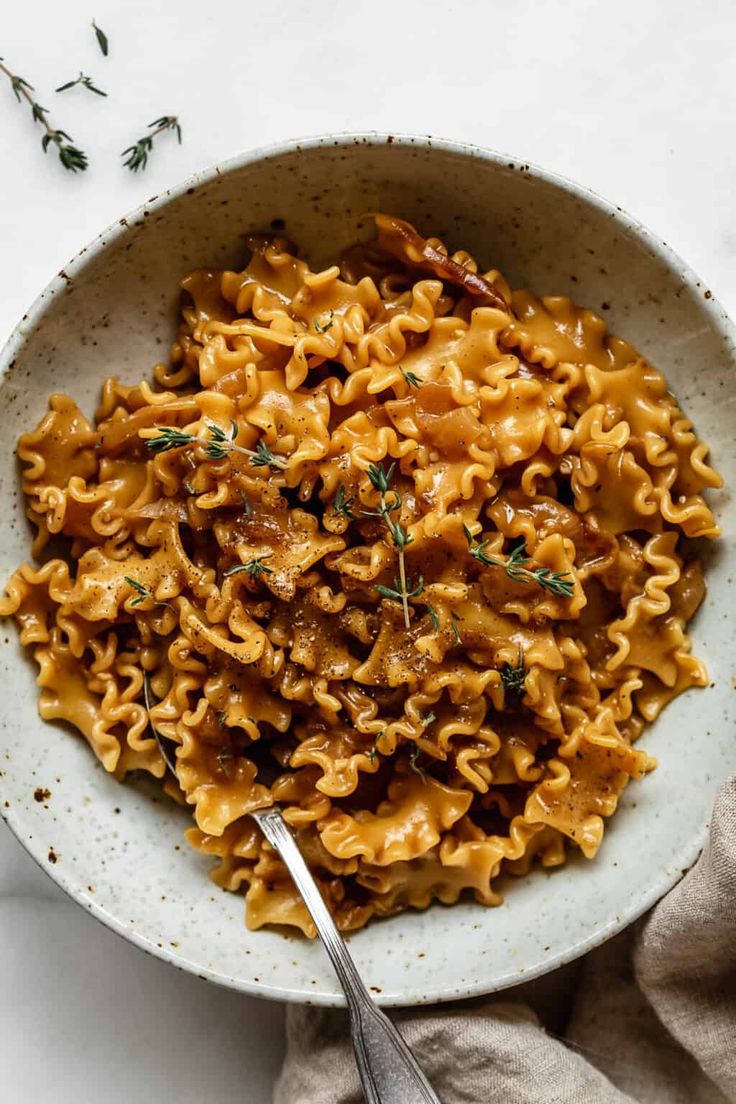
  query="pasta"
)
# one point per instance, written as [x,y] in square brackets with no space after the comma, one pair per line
[396,547]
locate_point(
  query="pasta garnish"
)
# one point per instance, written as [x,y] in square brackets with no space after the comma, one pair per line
[416,542]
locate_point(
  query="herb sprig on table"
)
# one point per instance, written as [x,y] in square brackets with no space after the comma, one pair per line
[72,158]
[85,82]
[136,156]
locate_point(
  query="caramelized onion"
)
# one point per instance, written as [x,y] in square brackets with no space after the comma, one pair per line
[400,239]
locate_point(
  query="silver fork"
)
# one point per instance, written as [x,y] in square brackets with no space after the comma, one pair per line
[389,1073]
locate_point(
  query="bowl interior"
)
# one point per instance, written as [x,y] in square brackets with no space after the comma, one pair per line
[113,311]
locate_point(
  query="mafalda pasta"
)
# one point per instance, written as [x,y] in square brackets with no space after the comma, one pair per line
[410,543]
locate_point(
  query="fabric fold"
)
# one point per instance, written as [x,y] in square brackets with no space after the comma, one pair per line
[648,1018]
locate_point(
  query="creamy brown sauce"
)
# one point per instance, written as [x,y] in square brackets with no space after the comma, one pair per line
[432,715]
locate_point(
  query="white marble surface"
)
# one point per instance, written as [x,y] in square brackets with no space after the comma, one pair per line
[636,99]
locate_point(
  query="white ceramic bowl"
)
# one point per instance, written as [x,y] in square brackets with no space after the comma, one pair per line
[112,310]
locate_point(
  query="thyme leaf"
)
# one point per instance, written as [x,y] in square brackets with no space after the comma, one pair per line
[72,158]
[411,378]
[380,479]
[433,615]
[515,566]
[513,676]
[224,758]
[144,594]
[373,752]
[169,438]
[341,504]
[414,754]
[255,568]
[264,458]
[396,594]
[85,82]
[101,39]
[217,447]
[136,156]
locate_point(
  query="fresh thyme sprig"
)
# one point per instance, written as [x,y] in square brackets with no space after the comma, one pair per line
[396,594]
[454,618]
[101,39]
[513,676]
[170,438]
[412,378]
[217,448]
[323,328]
[414,754]
[144,594]
[416,751]
[71,157]
[221,445]
[381,481]
[341,504]
[556,582]
[255,568]
[85,82]
[224,758]
[373,752]
[136,156]
[433,616]
[263,457]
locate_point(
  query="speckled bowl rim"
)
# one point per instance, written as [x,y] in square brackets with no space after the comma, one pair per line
[665,879]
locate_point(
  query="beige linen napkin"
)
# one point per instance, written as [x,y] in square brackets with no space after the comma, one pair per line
[649,1018]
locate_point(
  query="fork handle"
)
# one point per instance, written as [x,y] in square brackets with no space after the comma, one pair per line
[389,1072]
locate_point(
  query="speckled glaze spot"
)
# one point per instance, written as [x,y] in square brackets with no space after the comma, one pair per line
[117,851]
